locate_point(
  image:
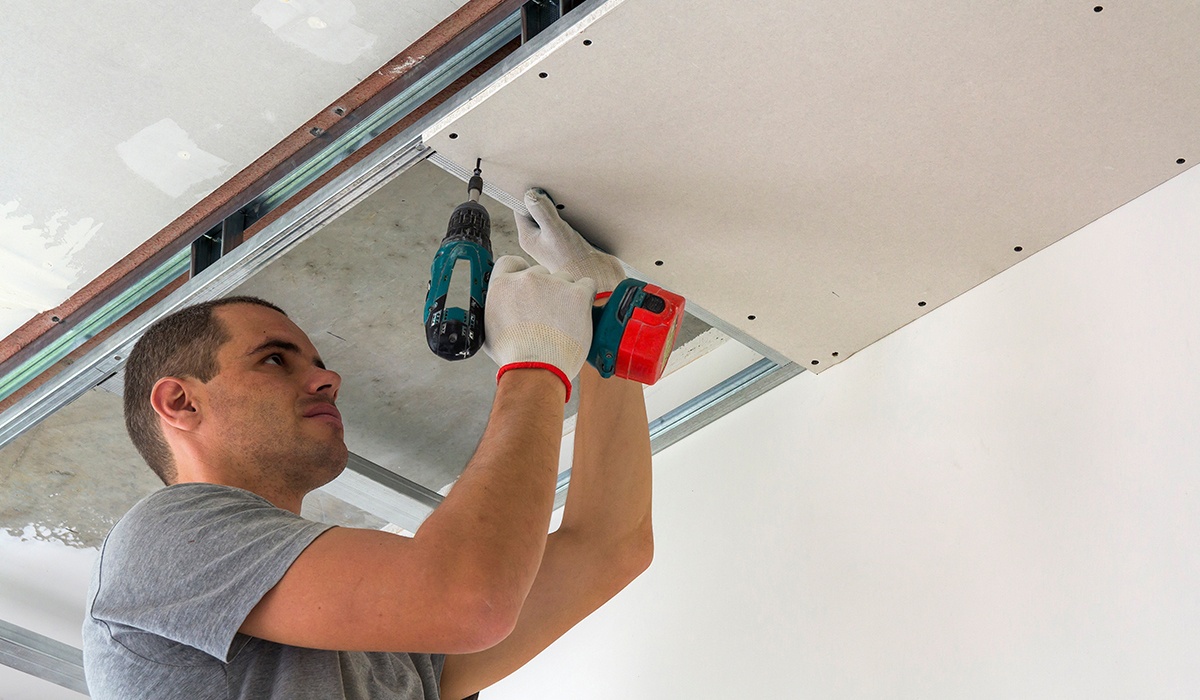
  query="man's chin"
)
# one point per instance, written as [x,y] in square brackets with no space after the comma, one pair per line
[334,466]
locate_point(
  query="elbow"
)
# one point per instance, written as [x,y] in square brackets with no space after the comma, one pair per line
[484,627]
[642,550]
[484,616]
[636,553]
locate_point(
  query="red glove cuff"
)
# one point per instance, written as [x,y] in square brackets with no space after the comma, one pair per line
[537,365]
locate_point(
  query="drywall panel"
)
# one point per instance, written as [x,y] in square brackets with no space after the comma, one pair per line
[819,174]
[983,505]
[118,117]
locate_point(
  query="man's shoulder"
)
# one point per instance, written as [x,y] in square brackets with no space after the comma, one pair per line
[184,502]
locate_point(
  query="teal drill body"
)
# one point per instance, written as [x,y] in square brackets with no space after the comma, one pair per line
[456,333]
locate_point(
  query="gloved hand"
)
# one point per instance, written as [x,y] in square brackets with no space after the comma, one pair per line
[554,244]
[536,319]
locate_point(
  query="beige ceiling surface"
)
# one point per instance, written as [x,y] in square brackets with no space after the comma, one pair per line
[118,117]
[819,174]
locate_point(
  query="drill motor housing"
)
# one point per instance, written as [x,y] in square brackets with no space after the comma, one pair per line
[455,333]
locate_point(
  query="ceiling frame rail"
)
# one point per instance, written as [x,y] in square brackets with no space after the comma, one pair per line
[356,130]
[384,493]
[750,383]
[276,239]
[41,656]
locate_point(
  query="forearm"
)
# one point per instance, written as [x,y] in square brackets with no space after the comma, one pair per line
[610,492]
[493,524]
[604,542]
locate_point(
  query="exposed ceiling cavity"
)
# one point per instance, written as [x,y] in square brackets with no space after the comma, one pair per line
[357,287]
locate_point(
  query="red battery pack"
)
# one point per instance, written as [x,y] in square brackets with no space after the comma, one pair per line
[650,335]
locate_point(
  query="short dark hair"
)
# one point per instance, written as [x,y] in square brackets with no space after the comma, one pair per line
[183,344]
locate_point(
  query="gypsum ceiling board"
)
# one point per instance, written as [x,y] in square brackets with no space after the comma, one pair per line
[823,178]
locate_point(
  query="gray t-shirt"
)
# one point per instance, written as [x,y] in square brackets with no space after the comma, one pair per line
[176,578]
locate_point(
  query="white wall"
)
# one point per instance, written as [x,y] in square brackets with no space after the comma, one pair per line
[1001,500]
[42,587]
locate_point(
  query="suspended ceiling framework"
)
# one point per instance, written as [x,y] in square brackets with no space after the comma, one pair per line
[813,183]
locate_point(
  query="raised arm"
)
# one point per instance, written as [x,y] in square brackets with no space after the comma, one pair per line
[459,585]
[605,540]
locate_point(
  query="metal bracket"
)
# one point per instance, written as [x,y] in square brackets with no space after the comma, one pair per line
[208,248]
[536,15]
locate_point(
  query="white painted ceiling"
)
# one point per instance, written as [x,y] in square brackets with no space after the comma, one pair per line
[118,117]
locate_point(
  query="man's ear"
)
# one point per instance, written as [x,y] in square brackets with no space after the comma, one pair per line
[174,400]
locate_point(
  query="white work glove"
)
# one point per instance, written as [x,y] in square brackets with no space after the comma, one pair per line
[554,244]
[536,319]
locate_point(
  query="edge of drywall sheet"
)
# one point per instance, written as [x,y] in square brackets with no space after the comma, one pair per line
[692,308]
[518,63]
[345,191]
[489,189]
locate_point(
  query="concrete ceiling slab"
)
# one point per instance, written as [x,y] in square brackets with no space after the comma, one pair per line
[820,174]
[117,118]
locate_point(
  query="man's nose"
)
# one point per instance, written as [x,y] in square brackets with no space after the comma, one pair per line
[325,381]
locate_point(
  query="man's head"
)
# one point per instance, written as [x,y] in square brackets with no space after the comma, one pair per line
[234,385]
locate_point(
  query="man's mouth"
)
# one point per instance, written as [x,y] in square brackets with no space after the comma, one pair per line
[325,412]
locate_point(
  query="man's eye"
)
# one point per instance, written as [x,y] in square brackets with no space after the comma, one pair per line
[275,358]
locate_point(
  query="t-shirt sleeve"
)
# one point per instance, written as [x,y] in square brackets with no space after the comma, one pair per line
[191,561]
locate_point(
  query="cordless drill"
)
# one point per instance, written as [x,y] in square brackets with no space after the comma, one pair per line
[456,333]
[633,333]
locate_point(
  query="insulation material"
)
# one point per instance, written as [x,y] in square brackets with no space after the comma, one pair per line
[820,174]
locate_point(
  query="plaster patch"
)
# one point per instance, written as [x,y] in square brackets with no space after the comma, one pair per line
[169,159]
[324,28]
[404,65]
[37,260]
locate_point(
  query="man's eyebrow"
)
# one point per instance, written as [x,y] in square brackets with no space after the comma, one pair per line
[286,346]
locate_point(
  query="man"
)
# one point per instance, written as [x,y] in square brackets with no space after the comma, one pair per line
[215,587]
